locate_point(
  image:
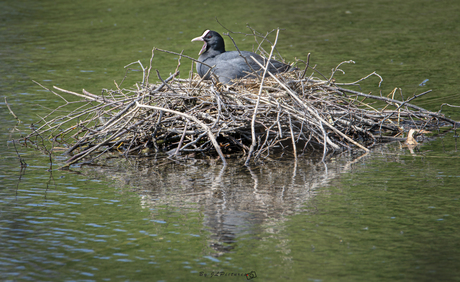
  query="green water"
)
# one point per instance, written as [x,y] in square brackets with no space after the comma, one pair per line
[390,215]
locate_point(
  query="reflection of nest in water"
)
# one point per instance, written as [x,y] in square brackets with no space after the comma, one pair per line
[231,201]
[253,118]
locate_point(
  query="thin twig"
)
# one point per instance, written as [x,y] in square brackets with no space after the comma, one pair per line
[204,126]
[253,133]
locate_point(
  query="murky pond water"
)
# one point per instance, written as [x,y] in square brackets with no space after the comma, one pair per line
[389,215]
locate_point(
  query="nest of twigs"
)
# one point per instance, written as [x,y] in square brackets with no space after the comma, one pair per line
[252,119]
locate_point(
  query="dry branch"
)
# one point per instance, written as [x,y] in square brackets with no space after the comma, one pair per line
[254,118]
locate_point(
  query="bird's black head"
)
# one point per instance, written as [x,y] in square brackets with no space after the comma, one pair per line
[212,41]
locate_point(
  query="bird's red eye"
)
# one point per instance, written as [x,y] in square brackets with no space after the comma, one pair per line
[208,36]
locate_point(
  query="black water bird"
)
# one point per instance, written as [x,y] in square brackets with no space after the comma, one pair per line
[232,64]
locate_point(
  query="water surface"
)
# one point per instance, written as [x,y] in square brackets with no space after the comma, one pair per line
[389,215]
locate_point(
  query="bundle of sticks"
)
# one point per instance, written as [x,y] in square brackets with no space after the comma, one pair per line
[252,119]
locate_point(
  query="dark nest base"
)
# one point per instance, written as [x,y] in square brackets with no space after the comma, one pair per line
[252,119]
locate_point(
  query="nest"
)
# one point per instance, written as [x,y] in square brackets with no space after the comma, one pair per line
[253,119]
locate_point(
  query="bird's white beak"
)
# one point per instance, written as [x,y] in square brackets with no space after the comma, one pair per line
[201,38]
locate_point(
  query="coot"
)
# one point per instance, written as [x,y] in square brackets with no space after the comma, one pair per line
[232,64]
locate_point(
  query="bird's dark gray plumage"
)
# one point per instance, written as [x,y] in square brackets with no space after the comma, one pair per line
[230,65]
